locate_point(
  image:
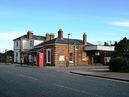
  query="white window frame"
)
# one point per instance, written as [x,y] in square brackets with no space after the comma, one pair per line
[47,56]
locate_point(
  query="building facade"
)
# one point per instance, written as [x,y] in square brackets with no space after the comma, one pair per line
[99,53]
[23,44]
[62,51]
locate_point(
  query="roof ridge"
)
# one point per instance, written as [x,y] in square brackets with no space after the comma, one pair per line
[39,35]
[20,37]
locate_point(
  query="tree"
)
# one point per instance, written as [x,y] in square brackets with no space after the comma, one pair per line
[122,47]
[106,44]
[115,43]
[10,53]
[110,43]
[120,59]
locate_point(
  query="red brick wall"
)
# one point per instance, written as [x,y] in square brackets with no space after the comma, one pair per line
[52,47]
[90,57]
[60,51]
[82,58]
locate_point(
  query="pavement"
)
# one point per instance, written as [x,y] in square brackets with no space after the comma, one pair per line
[95,71]
[102,73]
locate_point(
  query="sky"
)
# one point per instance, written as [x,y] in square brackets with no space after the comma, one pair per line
[101,20]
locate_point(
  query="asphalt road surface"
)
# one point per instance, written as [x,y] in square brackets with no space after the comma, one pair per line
[16,81]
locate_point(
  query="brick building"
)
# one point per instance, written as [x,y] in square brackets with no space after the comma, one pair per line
[59,51]
[62,51]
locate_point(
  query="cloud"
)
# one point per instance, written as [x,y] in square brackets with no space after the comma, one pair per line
[122,24]
[124,31]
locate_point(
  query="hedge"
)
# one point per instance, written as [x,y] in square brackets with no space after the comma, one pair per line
[119,64]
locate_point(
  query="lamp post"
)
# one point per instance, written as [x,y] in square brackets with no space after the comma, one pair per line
[77,53]
[68,50]
[5,55]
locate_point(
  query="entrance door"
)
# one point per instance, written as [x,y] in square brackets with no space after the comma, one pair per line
[48,56]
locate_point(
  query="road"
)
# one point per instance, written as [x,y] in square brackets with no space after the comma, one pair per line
[16,81]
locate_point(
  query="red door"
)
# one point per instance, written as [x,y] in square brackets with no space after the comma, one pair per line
[40,59]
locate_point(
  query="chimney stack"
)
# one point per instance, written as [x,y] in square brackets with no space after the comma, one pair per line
[51,36]
[84,39]
[60,34]
[29,35]
[47,36]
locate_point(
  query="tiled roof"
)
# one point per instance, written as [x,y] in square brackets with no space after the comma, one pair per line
[35,37]
[63,41]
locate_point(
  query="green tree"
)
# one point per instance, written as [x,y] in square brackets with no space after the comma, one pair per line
[115,43]
[120,59]
[10,52]
[122,48]
[106,44]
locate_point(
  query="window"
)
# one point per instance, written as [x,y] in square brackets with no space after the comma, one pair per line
[84,56]
[31,43]
[48,56]
[71,57]
[16,57]
[16,54]
[17,43]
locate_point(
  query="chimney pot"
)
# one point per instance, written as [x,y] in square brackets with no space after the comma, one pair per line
[51,36]
[84,39]
[47,36]
[60,34]
[29,34]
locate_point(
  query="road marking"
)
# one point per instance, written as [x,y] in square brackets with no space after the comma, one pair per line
[30,77]
[76,90]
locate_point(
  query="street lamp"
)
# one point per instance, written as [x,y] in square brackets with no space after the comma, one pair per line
[77,52]
[68,50]
[5,55]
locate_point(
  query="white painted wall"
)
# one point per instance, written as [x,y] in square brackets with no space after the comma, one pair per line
[106,48]
[30,58]
[17,47]
[25,44]
[98,47]
[17,56]
[36,42]
[17,44]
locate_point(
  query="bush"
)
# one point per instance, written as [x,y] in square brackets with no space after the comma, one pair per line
[119,64]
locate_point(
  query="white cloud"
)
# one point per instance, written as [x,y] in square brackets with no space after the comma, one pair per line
[123,23]
[124,31]
[6,40]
